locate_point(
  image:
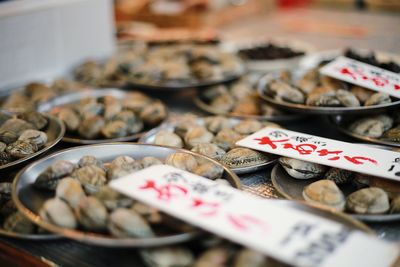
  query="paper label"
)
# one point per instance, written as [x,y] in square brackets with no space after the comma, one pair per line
[289,235]
[364,75]
[352,157]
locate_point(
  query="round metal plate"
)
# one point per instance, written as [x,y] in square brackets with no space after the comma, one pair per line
[28,199]
[292,188]
[55,131]
[342,123]
[75,97]
[319,110]
[149,138]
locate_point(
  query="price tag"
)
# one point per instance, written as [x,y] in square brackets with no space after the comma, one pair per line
[287,234]
[362,74]
[352,157]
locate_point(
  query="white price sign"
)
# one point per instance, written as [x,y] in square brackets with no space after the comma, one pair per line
[365,75]
[289,235]
[352,157]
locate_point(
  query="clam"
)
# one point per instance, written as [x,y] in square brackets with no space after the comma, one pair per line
[48,179]
[112,199]
[247,106]
[327,99]
[118,171]
[150,161]
[115,129]
[91,177]
[209,170]
[8,137]
[215,91]
[285,92]
[331,83]
[209,150]
[378,99]
[395,205]
[309,81]
[136,101]
[213,257]
[18,223]
[370,200]
[5,158]
[122,160]
[166,138]
[21,148]
[222,103]
[216,123]
[247,127]
[339,176]
[112,109]
[89,73]
[198,135]
[392,135]
[91,214]
[370,127]
[324,192]
[56,211]
[36,137]
[35,118]
[128,223]
[241,90]
[154,113]
[250,258]
[132,121]
[243,157]
[90,109]
[90,128]
[16,126]
[347,99]
[70,190]
[361,93]
[172,256]
[89,160]
[226,139]
[149,213]
[182,161]
[70,118]
[300,169]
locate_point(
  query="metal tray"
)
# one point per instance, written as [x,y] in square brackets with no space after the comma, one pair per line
[75,97]
[29,200]
[292,188]
[149,137]
[305,109]
[342,123]
[55,131]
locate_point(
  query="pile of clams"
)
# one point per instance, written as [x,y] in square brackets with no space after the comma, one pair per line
[385,127]
[238,99]
[159,65]
[36,93]
[366,195]
[21,135]
[215,137]
[82,199]
[108,117]
[314,89]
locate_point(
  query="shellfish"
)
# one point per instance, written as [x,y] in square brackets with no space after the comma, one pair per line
[182,161]
[243,157]
[57,212]
[370,200]
[128,223]
[300,169]
[324,192]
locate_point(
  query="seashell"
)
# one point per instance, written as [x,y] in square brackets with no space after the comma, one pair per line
[347,99]
[122,160]
[89,160]
[8,137]
[184,125]
[115,129]
[18,101]
[88,73]
[223,103]
[198,135]
[324,192]
[370,127]
[285,92]
[361,93]
[331,83]
[250,258]
[38,120]
[395,205]
[209,170]
[90,110]
[385,119]
[91,214]
[112,109]
[70,190]
[241,90]
[154,113]
[70,118]
[247,127]
[18,223]
[213,257]
[378,99]
[210,150]
[115,172]
[112,199]
[150,161]
[339,176]
[214,92]
[5,158]
[226,139]
[16,126]
[61,86]
[36,137]
[48,179]
[182,161]
[392,188]
[149,213]
[91,177]
[216,123]
[300,169]
[392,135]
[309,81]
[56,211]
[21,148]
[361,180]
[166,138]
[328,99]
[128,223]
[39,92]
[136,102]
[370,200]
[167,257]
[247,106]
[243,157]
[132,121]
[90,128]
